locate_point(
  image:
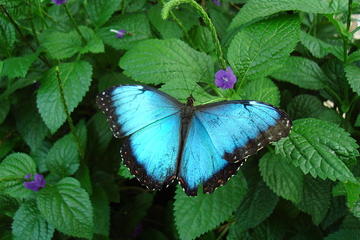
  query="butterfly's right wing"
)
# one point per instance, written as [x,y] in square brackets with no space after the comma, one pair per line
[221,135]
[150,121]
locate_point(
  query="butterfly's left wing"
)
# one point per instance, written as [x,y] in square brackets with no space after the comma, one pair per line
[149,122]
[221,135]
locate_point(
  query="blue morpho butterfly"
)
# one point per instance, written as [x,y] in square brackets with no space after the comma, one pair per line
[167,140]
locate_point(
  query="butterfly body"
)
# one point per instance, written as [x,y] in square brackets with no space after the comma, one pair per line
[165,140]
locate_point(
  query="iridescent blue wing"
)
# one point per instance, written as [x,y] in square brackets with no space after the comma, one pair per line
[150,122]
[222,135]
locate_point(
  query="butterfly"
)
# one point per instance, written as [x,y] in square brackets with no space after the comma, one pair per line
[165,140]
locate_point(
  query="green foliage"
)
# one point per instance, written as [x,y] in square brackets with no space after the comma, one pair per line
[136,24]
[17,66]
[282,177]
[212,210]
[73,79]
[101,10]
[145,62]
[318,147]
[264,47]
[261,8]
[352,75]
[67,207]
[319,48]
[12,172]
[306,105]
[256,206]
[299,55]
[263,90]
[308,74]
[29,224]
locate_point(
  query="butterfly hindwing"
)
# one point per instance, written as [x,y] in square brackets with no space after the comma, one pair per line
[150,122]
[222,135]
[201,161]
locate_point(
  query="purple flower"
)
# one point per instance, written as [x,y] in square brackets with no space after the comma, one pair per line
[36,184]
[217,2]
[225,78]
[59,2]
[119,33]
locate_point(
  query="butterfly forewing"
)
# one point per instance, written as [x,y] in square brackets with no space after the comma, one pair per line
[151,122]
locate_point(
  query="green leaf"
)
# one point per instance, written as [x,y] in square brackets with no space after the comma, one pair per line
[352,193]
[343,234]
[125,172]
[354,57]
[12,172]
[317,147]
[202,39]
[301,72]
[17,66]
[350,222]
[181,92]
[11,140]
[304,106]
[8,205]
[270,229]
[83,176]
[357,121]
[39,155]
[211,210]
[315,198]
[336,212]
[100,134]
[282,177]
[319,48]
[255,9]
[101,212]
[94,43]
[137,26]
[263,90]
[257,205]
[4,109]
[167,28]
[67,207]
[133,6]
[264,47]
[29,224]
[60,45]
[7,35]
[352,75]
[75,78]
[164,61]
[101,10]
[220,20]
[63,158]
[29,123]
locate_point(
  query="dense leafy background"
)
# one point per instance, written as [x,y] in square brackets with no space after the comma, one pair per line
[300,55]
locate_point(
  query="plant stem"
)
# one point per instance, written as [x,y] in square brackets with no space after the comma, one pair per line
[68,117]
[74,23]
[179,23]
[345,39]
[171,4]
